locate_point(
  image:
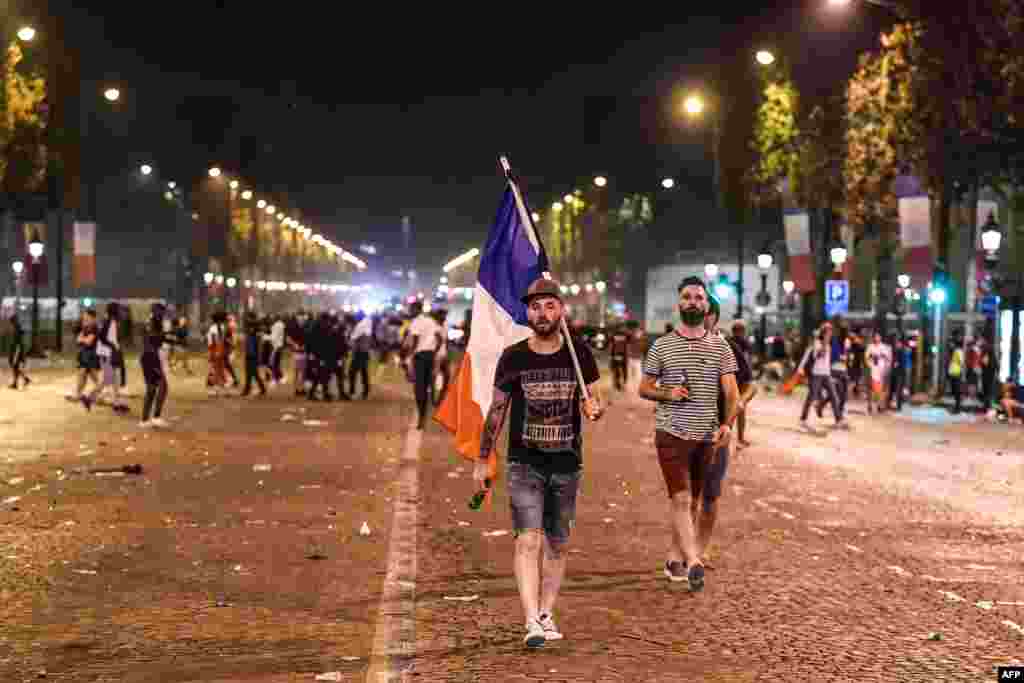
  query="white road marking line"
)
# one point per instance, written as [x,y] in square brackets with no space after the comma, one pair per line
[1015,627]
[394,643]
[952,597]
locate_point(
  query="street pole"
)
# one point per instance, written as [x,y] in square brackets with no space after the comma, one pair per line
[739,278]
[937,343]
[35,307]
[764,316]
[1018,298]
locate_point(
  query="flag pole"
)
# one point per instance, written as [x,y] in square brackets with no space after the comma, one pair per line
[527,220]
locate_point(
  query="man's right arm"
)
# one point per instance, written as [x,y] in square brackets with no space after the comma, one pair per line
[494,422]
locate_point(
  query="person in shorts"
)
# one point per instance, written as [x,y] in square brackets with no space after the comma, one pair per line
[537,380]
[683,373]
[704,507]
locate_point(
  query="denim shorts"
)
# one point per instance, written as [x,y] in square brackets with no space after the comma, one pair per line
[543,500]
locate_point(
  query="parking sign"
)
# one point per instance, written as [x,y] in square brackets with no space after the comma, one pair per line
[837,297]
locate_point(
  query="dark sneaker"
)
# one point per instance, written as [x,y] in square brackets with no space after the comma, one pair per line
[675,571]
[696,578]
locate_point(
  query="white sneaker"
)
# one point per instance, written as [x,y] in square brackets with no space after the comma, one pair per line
[160,422]
[534,634]
[551,631]
[146,424]
[806,427]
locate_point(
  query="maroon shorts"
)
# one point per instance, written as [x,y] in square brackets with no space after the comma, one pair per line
[684,463]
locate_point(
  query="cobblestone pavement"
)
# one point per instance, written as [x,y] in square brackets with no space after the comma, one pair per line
[837,554]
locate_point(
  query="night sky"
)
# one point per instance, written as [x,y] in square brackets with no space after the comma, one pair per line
[362,118]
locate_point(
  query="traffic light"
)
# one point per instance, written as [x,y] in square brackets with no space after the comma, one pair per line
[723,289]
[939,290]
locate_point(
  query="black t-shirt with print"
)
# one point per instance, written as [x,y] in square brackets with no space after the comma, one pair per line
[545,425]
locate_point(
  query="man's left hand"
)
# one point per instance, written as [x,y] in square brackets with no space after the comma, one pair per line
[592,408]
[722,436]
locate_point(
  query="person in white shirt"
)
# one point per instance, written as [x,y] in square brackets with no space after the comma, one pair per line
[422,342]
[361,342]
[879,357]
[819,356]
[277,342]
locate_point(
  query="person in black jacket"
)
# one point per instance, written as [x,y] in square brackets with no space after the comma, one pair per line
[153,370]
[326,354]
[253,339]
[17,355]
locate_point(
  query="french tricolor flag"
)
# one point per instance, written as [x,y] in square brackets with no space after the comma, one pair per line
[512,259]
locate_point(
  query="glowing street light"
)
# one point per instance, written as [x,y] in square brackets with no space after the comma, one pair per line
[247,195]
[26,34]
[18,267]
[600,181]
[171,185]
[271,209]
[694,105]
[214,172]
[233,184]
[711,270]
[903,280]
[668,183]
[765,58]
[788,286]
[232,282]
[575,289]
[208,278]
[556,206]
[146,169]
[568,198]
[261,204]
[280,215]
[112,94]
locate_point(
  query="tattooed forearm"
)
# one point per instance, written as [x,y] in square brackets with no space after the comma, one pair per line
[494,422]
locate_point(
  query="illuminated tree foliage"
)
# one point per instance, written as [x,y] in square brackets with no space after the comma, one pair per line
[22,122]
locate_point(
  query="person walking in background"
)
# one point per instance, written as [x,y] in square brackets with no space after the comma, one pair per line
[253,341]
[230,342]
[362,342]
[817,363]
[898,378]
[741,347]
[879,358]
[17,354]
[154,369]
[424,339]
[956,373]
[618,351]
[109,351]
[215,344]
[637,351]
[989,368]
[277,341]
[88,361]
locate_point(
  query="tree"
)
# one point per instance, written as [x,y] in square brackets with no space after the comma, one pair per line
[22,122]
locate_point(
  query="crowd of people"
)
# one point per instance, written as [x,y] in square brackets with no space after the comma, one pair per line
[330,354]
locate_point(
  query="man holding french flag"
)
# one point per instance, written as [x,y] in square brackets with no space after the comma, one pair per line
[521,360]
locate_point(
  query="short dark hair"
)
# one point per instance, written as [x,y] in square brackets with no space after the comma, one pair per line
[714,307]
[692,281]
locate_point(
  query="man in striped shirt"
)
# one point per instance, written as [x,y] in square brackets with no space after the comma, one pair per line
[683,373]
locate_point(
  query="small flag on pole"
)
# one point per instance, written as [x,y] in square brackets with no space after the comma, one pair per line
[85,254]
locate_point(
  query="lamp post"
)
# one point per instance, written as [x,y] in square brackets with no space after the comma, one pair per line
[35,249]
[991,241]
[764,263]
[18,266]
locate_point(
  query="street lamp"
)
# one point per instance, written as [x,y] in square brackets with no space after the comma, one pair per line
[991,239]
[146,169]
[668,183]
[694,105]
[765,58]
[839,255]
[247,195]
[261,204]
[600,181]
[903,280]
[112,94]
[556,206]
[35,250]
[764,262]
[214,172]
[711,271]
[208,278]
[26,34]
[18,266]
[233,184]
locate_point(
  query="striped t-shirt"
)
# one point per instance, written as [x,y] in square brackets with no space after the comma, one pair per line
[699,364]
